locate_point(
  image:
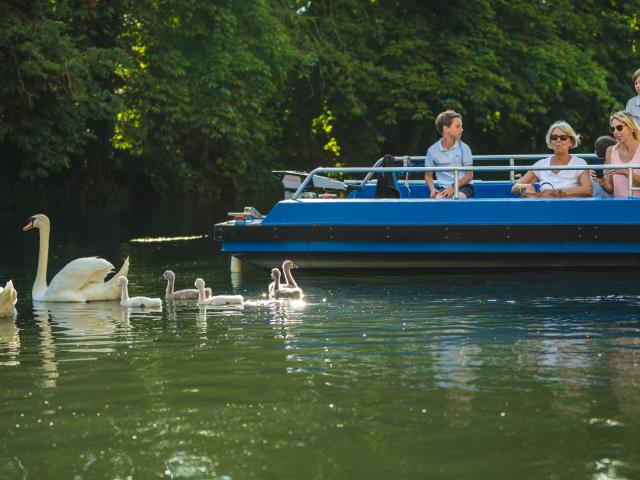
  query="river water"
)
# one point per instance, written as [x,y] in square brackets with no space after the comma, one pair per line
[527,375]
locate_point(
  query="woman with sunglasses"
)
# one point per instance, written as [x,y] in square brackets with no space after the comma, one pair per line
[557,183]
[626,131]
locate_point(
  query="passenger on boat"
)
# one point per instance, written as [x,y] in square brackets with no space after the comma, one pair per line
[597,176]
[449,151]
[633,105]
[557,183]
[627,132]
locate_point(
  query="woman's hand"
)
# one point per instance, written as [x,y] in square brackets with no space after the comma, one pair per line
[619,171]
[548,193]
[524,189]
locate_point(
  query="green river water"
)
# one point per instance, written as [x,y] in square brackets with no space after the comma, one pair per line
[497,376]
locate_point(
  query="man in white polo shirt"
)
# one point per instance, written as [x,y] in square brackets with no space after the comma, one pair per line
[633,105]
[449,151]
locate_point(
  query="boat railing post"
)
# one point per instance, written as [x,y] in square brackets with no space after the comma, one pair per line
[456,186]
[406,162]
[304,184]
[369,175]
[630,180]
[512,173]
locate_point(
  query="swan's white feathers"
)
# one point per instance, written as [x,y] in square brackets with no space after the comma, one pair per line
[8,298]
[141,302]
[293,293]
[81,280]
[289,290]
[134,302]
[80,274]
[215,300]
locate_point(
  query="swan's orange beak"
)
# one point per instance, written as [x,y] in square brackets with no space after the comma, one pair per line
[28,226]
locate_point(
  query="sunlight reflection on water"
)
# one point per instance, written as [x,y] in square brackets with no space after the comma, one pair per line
[467,375]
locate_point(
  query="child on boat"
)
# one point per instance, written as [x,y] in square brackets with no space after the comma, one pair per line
[449,151]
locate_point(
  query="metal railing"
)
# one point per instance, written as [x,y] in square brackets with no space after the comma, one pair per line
[511,168]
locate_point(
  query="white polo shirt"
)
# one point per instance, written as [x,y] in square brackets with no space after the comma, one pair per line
[457,156]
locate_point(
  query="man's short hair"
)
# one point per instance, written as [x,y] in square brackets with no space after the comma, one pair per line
[445,119]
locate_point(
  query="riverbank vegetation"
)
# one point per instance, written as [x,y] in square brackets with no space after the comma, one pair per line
[145,99]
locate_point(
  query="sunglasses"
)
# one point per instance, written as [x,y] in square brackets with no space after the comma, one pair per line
[562,138]
[617,127]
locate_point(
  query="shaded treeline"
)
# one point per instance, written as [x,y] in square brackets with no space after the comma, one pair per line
[121,100]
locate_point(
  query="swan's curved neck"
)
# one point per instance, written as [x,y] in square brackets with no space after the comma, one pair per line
[288,277]
[124,292]
[201,295]
[40,283]
[169,287]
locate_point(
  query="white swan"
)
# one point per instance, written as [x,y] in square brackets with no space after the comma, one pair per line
[81,280]
[132,302]
[216,299]
[287,265]
[186,294]
[281,291]
[8,298]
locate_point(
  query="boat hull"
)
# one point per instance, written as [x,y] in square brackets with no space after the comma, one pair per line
[437,261]
[401,234]
[402,247]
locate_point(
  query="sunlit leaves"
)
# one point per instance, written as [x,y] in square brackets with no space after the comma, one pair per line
[213,73]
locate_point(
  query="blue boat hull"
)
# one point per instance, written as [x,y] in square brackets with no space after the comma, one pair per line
[421,233]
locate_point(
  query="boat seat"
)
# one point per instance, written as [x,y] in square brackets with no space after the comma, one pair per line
[387,183]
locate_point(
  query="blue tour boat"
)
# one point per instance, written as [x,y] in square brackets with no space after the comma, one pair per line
[341,223]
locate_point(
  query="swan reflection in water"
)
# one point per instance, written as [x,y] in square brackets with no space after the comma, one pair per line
[206,312]
[9,342]
[86,328]
[81,320]
[286,311]
[280,310]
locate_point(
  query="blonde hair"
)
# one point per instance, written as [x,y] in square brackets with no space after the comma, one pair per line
[635,76]
[629,120]
[567,130]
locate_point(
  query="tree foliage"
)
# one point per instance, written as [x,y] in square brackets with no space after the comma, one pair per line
[57,88]
[204,97]
[512,67]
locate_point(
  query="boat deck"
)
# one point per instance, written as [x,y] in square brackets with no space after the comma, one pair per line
[492,230]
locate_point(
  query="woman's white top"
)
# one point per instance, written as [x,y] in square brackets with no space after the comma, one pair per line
[563,179]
